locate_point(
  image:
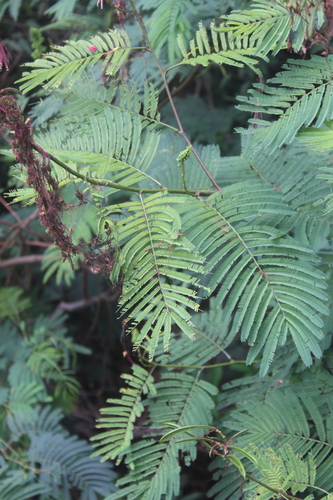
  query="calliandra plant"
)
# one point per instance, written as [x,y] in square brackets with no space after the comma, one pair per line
[247,239]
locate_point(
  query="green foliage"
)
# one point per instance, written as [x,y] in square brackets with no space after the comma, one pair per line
[180,398]
[288,431]
[120,421]
[153,253]
[273,26]
[207,253]
[70,61]
[302,95]
[41,459]
[223,50]
[11,302]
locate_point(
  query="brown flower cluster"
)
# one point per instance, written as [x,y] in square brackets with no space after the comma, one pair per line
[49,201]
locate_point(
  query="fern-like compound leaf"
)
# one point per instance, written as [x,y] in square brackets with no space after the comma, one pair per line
[112,142]
[299,96]
[70,61]
[212,337]
[154,472]
[295,172]
[154,467]
[158,267]
[268,25]
[19,486]
[265,280]
[290,431]
[119,419]
[183,399]
[222,50]
[65,462]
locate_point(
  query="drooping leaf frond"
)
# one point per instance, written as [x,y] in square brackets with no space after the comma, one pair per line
[154,252]
[293,423]
[45,361]
[265,280]
[212,337]
[12,303]
[165,168]
[283,471]
[318,138]
[34,422]
[113,143]
[183,399]
[274,25]
[62,9]
[222,50]
[83,99]
[154,472]
[69,62]
[154,468]
[292,171]
[20,486]
[169,18]
[299,96]
[120,419]
[65,462]
[47,355]
[22,397]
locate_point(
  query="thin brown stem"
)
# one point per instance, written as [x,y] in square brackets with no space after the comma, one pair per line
[10,210]
[277,492]
[15,226]
[31,243]
[80,304]
[24,259]
[172,104]
[179,87]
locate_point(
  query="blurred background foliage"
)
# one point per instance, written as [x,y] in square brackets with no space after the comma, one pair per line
[72,314]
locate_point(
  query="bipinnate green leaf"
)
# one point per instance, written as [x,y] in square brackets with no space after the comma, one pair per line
[266,280]
[119,418]
[159,268]
[67,63]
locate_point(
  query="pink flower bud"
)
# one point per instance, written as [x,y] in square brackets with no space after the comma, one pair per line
[92,48]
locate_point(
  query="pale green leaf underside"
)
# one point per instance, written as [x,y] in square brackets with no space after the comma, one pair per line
[265,280]
[111,145]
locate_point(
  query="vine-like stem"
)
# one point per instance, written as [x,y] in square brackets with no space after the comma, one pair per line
[106,183]
[277,492]
[215,443]
[197,367]
[172,104]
